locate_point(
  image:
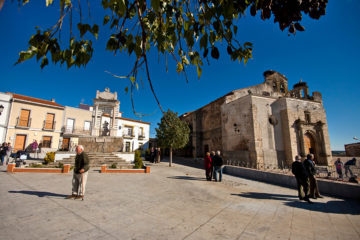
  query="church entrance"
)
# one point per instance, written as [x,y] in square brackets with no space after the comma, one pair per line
[309,143]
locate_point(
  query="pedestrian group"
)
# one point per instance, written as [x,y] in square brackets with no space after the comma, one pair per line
[213,164]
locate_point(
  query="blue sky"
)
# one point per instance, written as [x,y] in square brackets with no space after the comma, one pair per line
[326,56]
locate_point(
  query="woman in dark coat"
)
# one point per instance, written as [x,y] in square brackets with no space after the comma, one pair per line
[208,166]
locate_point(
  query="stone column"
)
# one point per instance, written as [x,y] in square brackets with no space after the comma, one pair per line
[95,125]
[299,130]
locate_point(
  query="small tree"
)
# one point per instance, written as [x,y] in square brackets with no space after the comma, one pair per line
[138,161]
[172,132]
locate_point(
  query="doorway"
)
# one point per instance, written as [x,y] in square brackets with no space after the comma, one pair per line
[20,142]
[65,144]
[309,143]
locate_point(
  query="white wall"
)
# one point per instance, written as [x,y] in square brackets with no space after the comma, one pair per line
[4,117]
[134,142]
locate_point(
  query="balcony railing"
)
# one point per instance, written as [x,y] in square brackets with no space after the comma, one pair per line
[142,136]
[49,126]
[127,134]
[20,123]
[76,130]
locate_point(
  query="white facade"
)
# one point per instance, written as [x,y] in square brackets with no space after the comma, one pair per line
[5,102]
[135,134]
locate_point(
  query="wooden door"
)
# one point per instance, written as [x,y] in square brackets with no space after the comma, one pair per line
[65,143]
[46,143]
[19,142]
[49,122]
[309,143]
[24,118]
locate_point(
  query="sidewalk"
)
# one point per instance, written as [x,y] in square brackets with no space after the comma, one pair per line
[168,203]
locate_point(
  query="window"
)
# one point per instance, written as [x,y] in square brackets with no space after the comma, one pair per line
[129,131]
[24,118]
[127,147]
[141,132]
[141,146]
[46,142]
[49,121]
[307,117]
[87,125]
[70,125]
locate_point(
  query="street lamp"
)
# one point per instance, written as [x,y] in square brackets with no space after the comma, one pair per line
[1,109]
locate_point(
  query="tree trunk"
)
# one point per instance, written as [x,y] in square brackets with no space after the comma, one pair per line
[170,160]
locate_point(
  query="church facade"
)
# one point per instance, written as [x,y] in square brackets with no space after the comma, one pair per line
[263,126]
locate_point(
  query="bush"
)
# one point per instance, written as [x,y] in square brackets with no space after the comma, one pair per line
[35,165]
[138,160]
[50,157]
[114,165]
[60,165]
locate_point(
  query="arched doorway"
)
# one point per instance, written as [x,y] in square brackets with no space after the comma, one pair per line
[309,143]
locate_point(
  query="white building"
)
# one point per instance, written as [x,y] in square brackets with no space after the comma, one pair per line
[5,107]
[134,132]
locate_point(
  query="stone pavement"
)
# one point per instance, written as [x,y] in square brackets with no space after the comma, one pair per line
[169,203]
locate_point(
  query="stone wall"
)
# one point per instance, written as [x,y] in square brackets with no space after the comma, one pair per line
[101,144]
[352,149]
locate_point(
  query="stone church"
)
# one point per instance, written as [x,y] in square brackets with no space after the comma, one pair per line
[264,126]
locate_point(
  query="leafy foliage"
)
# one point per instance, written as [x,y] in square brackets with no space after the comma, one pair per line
[138,161]
[183,29]
[172,132]
[49,158]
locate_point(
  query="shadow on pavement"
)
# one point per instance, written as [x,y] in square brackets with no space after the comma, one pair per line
[266,196]
[188,178]
[336,207]
[40,194]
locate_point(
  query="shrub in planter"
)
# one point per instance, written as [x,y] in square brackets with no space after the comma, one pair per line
[138,160]
[50,157]
[114,165]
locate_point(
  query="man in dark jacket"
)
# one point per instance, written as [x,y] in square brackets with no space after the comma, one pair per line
[217,163]
[302,179]
[311,171]
[347,166]
[81,169]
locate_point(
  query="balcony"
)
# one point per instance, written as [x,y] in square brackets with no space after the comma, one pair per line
[49,125]
[141,137]
[21,123]
[128,134]
[70,130]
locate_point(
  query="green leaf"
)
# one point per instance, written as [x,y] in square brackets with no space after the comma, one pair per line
[204,41]
[44,62]
[199,71]
[126,90]
[106,19]
[132,79]
[179,67]
[95,30]
[49,2]
[155,4]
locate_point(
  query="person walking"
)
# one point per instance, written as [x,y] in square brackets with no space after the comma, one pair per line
[302,179]
[347,166]
[311,171]
[338,165]
[8,152]
[3,151]
[158,155]
[217,162]
[80,175]
[208,166]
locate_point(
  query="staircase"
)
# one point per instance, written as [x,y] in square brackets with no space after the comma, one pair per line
[97,159]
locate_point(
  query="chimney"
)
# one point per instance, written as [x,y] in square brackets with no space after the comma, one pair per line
[53,99]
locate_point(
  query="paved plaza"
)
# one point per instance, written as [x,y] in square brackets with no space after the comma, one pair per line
[168,203]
